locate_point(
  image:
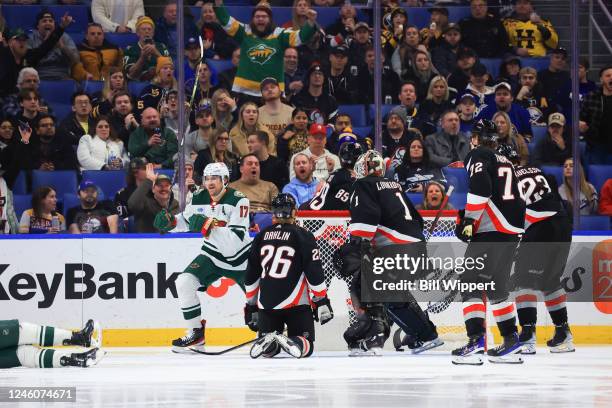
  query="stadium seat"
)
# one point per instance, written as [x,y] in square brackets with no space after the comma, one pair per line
[598,174]
[492,65]
[263,219]
[109,181]
[539,134]
[385,109]
[219,65]
[556,171]
[20,185]
[456,14]
[136,87]
[21,202]
[25,16]
[458,200]
[91,87]
[457,177]
[362,131]
[167,172]
[61,111]
[57,91]
[71,200]
[78,37]
[418,16]
[121,40]
[594,223]
[62,181]
[415,198]
[356,112]
[537,63]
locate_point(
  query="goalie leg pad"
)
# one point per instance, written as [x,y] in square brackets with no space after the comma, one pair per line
[412,320]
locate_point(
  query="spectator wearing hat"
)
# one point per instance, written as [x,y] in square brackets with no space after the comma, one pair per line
[96,56]
[595,123]
[531,96]
[359,43]
[444,53]
[15,54]
[438,22]
[28,79]
[217,44]
[165,27]
[484,32]
[262,46]
[158,144]
[553,77]
[315,99]
[460,77]
[92,216]
[390,81]
[57,63]
[271,168]
[79,122]
[324,161]
[509,71]
[117,16]
[259,192]
[303,186]
[449,145]
[135,176]
[156,94]
[121,118]
[198,139]
[190,185]
[415,169]
[341,82]
[192,58]
[504,101]
[556,147]
[433,197]
[528,33]
[466,108]
[483,95]
[101,148]
[274,114]
[141,58]
[150,197]
[396,134]
[294,74]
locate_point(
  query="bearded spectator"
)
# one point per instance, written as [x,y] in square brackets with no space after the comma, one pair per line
[303,186]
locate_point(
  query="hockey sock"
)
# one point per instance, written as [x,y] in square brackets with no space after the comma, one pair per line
[474,316]
[526,307]
[187,286]
[555,303]
[44,336]
[305,345]
[505,317]
[34,357]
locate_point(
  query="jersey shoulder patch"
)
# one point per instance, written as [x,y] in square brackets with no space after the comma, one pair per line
[239,194]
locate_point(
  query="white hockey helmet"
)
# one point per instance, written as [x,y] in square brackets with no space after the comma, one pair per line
[370,163]
[217,169]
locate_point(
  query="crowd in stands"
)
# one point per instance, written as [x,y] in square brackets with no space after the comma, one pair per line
[274,100]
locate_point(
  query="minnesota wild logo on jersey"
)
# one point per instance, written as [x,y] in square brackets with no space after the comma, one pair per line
[261,53]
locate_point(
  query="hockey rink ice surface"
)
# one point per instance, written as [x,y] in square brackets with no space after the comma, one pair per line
[154,377]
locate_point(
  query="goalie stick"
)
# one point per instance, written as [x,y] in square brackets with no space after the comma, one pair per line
[227,350]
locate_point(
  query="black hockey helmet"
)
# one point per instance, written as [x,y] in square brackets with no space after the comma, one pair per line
[486,130]
[509,152]
[349,152]
[283,205]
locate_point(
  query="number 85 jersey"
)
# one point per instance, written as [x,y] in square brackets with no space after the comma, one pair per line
[284,268]
[493,199]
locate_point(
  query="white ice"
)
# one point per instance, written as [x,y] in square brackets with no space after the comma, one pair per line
[154,377]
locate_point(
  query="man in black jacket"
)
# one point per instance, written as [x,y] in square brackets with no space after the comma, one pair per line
[484,32]
[79,122]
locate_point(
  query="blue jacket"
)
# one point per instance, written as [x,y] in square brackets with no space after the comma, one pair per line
[165,33]
[302,192]
[518,115]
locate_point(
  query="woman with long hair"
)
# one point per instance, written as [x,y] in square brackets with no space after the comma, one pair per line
[403,55]
[508,135]
[103,150]
[248,123]
[588,194]
[293,139]
[223,109]
[299,14]
[114,82]
[436,102]
[433,196]
[217,152]
[40,219]
[415,169]
[421,73]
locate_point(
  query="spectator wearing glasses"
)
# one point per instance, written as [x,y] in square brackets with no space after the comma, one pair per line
[80,121]
[218,151]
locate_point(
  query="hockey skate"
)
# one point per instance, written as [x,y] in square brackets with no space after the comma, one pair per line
[262,344]
[289,346]
[90,336]
[370,346]
[415,345]
[192,340]
[562,341]
[508,352]
[470,354]
[528,339]
[86,359]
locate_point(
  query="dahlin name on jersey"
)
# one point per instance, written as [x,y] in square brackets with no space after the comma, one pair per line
[280,235]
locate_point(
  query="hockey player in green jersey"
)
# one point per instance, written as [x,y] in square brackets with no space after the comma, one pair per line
[221,214]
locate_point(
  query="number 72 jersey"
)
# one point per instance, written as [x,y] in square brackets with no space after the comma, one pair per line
[494,199]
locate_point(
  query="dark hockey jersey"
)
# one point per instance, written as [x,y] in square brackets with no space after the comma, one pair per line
[540,194]
[494,198]
[380,212]
[284,268]
[335,194]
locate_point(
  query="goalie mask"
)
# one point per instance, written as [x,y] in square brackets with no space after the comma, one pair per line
[486,131]
[370,163]
[217,169]
[283,205]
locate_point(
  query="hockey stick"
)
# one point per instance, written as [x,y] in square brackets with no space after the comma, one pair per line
[434,224]
[218,353]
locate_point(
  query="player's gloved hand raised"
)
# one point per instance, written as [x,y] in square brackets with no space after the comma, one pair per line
[465,228]
[251,313]
[322,310]
[164,221]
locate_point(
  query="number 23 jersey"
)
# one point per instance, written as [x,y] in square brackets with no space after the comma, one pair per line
[284,267]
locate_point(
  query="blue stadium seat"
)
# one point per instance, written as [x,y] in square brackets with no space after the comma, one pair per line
[556,171]
[362,131]
[57,91]
[385,109]
[71,200]
[78,37]
[539,134]
[594,223]
[21,202]
[263,219]
[136,87]
[356,112]
[121,40]
[418,16]
[25,16]
[458,200]
[457,177]
[62,181]
[91,87]
[167,172]
[492,65]
[20,185]
[537,63]
[219,65]
[109,181]
[598,174]
[61,111]
[415,198]
[456,14]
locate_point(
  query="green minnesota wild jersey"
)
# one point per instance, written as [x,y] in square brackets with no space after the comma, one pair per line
[226,245]
[260,57]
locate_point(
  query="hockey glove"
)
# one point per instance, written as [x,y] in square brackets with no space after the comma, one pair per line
[164,221]
[465,229]
[322,310]
[251,316]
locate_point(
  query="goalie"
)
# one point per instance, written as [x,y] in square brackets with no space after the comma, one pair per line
[284,269]
[221,214]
